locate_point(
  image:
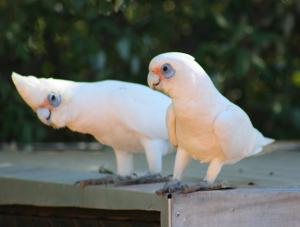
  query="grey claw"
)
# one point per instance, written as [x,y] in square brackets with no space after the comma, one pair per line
[176,186]
[104,170]
[148,179]
[171,187]
[124,180]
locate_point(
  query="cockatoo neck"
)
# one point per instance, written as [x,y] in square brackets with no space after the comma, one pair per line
[201,97]
[82,110]
[195,87]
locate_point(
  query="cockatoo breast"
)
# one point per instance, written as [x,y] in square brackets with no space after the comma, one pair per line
[196,135]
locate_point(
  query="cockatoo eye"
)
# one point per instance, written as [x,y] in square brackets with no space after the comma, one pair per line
[54,99]
[167,70]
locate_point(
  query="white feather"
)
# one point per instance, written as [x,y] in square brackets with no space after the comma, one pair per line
[126,116]
[208,127]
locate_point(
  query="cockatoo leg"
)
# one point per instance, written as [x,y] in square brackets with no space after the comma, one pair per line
[181,161]
[125,174]
[213,171]
[154,150]
[124,163]
[208,183]
[175,185]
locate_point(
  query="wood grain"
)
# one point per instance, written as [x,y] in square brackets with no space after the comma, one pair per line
[240,208]
[34,216]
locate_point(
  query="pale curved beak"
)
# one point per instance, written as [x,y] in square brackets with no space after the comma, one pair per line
[44,114]
[153,80]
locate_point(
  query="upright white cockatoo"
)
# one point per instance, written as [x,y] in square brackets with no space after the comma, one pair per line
[126,116]
[202,123]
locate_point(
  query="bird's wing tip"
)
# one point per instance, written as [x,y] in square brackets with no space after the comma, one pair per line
[268,141]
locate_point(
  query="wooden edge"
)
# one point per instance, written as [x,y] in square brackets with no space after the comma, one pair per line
[238,207]
[25,192]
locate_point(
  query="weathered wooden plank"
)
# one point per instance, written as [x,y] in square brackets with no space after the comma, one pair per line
[46,179]
[242,208]
[86,222]
[278,168]
[84,213]
[6,220]
[61,195]
[105,223]
[17,215]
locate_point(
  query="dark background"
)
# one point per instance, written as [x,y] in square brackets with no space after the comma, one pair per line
[249,48]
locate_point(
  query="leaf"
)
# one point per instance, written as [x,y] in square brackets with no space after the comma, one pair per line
[258,61]
[296,78]
[221,20]
[118,5]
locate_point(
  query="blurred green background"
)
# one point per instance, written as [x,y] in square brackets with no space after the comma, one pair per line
[250,48]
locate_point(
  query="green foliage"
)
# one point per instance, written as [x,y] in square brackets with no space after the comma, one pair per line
[250,49]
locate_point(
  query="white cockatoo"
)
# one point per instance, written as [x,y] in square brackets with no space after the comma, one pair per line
[126,116]
[201,122]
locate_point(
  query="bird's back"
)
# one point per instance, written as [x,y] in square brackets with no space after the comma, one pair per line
[137,106]
[141,108]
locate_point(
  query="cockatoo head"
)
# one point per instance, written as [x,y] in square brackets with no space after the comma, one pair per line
[47,97]
[173,71]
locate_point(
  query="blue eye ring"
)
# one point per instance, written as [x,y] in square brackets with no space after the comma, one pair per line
[167,70]
[54,99]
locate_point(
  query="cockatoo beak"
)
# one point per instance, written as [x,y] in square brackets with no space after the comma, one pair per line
[36,92]
[153,80]
[33,93]
[30,89]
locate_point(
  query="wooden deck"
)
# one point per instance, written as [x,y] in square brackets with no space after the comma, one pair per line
[267,189]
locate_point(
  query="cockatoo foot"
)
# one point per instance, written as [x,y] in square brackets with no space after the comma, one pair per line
[124,180]
[104,170]
[204,186]
[171,187]
[146,179]
[176,186]
[110,179]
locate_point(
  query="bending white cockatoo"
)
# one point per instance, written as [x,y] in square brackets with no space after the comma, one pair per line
[126,116]
[202,123]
